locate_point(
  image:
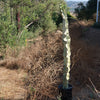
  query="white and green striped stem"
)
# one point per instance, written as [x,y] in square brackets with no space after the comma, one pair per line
[67,51]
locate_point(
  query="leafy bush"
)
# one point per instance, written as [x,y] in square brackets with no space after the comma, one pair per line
[86,12]
[25,19]
[57,18]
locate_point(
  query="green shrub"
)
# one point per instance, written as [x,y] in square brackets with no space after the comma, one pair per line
[15,15]
[57,18]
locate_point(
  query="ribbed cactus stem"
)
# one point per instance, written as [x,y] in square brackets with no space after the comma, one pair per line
[67,51]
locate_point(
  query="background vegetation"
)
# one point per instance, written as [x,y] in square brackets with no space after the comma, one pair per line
[86,12]
[21,19]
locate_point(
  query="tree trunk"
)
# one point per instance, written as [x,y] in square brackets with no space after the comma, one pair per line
[11,14]
[18,20]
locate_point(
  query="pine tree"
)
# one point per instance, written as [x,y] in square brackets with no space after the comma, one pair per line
[22,19]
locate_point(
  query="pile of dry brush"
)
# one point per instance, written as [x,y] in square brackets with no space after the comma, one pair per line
[44,63]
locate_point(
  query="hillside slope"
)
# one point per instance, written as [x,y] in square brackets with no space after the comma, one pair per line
[11,84]
[43,61]
[74,4]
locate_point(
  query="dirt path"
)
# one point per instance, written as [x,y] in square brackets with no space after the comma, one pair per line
[93,36]
[86,59]
[11,84]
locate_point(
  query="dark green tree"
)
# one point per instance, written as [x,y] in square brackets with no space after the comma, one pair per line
[21,19]
[86,12]
[80,11]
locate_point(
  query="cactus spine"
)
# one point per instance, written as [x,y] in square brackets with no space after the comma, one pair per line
[67,51]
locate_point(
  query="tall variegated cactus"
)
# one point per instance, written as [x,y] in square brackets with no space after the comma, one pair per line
[67,51]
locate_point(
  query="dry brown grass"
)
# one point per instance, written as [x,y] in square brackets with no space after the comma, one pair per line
[46,72]
[44,63]
[11,84]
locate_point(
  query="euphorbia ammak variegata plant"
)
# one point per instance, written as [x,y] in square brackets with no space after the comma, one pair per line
[67,50]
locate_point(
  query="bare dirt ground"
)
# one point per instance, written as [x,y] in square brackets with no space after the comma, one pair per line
[11,84]
[43,66]
[86,59]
